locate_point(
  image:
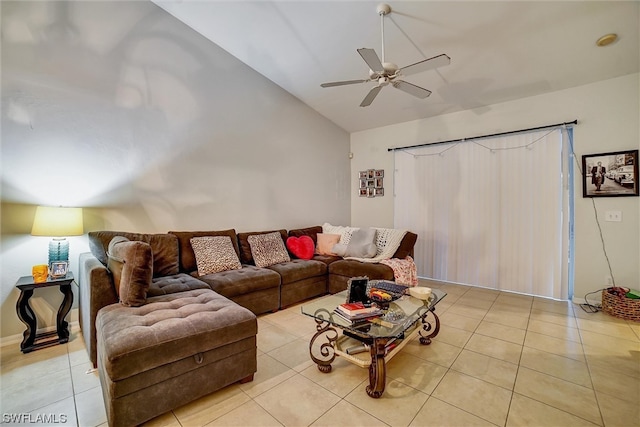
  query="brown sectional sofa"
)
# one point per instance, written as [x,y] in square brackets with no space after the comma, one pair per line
[227,299]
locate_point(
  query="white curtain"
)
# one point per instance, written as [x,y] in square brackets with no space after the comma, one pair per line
[489,212]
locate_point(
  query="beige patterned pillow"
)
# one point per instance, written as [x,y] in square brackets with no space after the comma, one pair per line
[214,254]
[268,249]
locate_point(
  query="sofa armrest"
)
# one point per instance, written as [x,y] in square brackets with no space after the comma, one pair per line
[96,290]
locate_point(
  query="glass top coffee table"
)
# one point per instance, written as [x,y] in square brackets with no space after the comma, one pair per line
[382,338]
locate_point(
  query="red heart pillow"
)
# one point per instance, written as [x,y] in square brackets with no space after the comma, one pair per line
[302,247]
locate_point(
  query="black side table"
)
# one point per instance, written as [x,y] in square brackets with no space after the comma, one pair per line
[28,317]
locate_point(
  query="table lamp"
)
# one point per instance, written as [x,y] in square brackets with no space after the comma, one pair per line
[57,222]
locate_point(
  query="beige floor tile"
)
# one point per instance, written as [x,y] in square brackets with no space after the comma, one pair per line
[515,300]
[35,392]
[468,310]
[454,336]
[415,372]
[613,383]
[594,339]
[554,392]
[249,414]
[167,419]
[553,345]
[475,396]
[84,377]
[617,330]
[77,349]
[559,307]
[509,309]
[11,354]
[617,413]
[297,401]
[295,355]
[436,413]
[210,407]
[295,323]
[555,318]
[506,333]
[457,321]
[472,300]
[635,327]
[618,360]
[345,414]
[494,347]
[453,289]
[527,412]
[565,368]
[397,406]
[271,337]
[505,318]
[553,330]
[482,294]
[269,374]
[61,413]
[489,369]
[343,378]
[90,408]
[437,352]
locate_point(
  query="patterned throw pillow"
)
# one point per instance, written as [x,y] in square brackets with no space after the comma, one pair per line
[268,249]
[214,254]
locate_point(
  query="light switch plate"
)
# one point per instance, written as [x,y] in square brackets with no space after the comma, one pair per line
[615,216]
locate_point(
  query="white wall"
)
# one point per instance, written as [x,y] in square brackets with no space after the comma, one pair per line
[608,114]
[119,108]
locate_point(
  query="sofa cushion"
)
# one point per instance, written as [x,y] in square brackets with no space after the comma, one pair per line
[353,268]
[173,284]
[214,254]
[248,279]
[245,248]
[268,249]
[326,242]
[163,246]
[187,256]
[299,269]
[167,329]
[309,231]
[131,264]
[301,247]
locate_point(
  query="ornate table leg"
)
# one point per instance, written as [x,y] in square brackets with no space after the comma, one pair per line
[426,327]
[377,369]
[63,325]
[327,350]
[28,317]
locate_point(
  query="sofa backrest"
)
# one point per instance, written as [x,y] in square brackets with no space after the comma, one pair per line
[245,249]
[187,256]
[164,248]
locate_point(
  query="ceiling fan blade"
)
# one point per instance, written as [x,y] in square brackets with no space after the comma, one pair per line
[427,64]
[371,58]
[370,96]
[411,89]
[346,82]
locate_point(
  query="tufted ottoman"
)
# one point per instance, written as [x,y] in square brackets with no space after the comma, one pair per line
[170,351]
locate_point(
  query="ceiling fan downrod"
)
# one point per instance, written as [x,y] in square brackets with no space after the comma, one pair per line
[383,9]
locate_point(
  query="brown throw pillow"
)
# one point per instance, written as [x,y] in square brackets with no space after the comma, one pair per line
[214,254]
[131,264]
[268,249]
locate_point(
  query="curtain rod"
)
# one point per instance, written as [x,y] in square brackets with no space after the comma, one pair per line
[575,122]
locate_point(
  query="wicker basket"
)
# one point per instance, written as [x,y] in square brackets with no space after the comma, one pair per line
[622,307]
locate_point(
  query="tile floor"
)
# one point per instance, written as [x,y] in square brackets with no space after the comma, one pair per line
[500,359]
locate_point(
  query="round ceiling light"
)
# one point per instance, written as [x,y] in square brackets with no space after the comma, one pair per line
[607,40]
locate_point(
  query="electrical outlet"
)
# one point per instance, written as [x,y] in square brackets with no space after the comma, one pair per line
[615,216]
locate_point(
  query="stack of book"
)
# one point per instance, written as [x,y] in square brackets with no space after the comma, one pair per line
[357,311]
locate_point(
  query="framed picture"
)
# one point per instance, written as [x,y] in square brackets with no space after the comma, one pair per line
[379,192]
[379,173]
[357,290]
[363,183]
[58,269]
[371,173]
[611,174]
[379,183]
[363,192]
[362,175]
[371,192]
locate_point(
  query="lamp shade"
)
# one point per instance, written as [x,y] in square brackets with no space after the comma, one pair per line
[57,222]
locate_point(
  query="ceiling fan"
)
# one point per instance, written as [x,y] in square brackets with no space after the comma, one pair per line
[385,73]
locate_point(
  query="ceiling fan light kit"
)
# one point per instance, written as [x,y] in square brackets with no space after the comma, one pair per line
[385,73]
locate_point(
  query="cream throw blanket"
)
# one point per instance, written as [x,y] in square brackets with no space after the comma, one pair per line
[387,240]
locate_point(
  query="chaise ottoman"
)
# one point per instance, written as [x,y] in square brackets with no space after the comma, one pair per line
[170,351]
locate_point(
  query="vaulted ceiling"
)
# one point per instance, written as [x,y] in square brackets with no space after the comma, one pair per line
[499,51]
